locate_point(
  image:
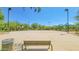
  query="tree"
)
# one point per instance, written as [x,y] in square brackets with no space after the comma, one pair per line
[1,21]
[1,16]
[12,26]
[25,27]
[77,27]
[2,25]
[34,26]
[36,9]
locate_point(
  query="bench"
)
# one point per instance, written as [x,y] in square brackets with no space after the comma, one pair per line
[37,43]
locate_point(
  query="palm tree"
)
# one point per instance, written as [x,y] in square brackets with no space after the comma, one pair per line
[67,11]
[36,9]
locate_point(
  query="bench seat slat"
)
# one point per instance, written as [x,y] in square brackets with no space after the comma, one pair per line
[37,42]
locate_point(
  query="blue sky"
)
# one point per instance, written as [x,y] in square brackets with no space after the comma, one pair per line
[47,16]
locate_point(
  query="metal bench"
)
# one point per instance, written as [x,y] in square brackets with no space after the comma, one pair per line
[37,43]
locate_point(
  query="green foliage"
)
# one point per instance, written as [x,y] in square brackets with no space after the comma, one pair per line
[15,26]
[25,27]
[76,26]
[34,26]
[2,25]
[12,26]
[1,16]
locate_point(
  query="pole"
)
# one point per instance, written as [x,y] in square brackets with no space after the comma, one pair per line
[8,17]
[67,20]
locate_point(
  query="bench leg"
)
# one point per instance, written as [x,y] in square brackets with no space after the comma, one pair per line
[51,47]
[24,48]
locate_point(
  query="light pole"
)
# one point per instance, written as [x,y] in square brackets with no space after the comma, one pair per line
[8,17]
[67,11]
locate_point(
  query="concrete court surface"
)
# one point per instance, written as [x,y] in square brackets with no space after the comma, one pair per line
[61,41]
